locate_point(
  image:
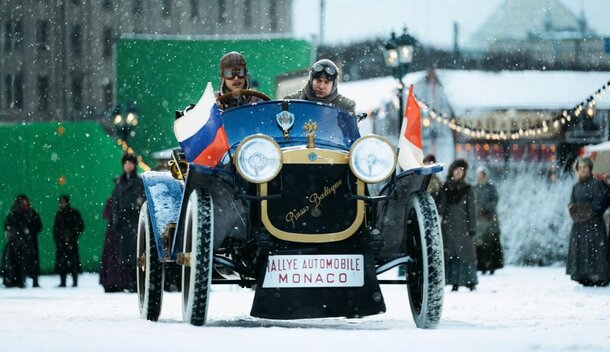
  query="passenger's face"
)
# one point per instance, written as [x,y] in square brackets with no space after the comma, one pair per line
[481,178]
[322,87]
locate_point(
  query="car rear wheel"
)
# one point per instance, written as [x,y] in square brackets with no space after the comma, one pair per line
[150,273]
[197,272]
[425,271]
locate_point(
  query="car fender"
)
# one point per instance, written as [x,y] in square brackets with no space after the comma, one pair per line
[164,196]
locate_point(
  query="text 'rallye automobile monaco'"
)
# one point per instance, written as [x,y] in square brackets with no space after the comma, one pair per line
[290,209]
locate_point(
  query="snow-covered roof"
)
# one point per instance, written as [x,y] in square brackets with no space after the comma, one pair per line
[483,90]
[371,94]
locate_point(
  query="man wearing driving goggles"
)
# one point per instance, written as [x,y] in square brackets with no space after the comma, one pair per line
[233,77]
[322,87]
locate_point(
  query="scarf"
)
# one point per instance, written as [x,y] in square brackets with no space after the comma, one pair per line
[308,94]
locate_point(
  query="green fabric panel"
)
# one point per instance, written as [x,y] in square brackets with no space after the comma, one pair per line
[36,156]
[163,76]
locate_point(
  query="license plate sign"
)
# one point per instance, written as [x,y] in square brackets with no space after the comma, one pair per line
[322,270]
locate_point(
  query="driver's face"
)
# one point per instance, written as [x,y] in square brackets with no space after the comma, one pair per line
[322,87]
[235,83]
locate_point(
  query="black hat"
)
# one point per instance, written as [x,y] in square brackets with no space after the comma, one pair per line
[129,157]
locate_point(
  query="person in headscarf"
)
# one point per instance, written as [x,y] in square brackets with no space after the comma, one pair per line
[490,256]
[456,204]
[322,87]
[588,249]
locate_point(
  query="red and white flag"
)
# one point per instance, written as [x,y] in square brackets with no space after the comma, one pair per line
[410,153]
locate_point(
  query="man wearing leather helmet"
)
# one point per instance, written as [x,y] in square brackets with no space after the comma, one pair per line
[322,87]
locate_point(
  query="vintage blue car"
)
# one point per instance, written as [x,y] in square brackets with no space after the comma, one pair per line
[301,207]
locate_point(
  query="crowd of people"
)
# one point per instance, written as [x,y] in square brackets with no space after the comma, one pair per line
[21,259]
[469,221]
[471,230]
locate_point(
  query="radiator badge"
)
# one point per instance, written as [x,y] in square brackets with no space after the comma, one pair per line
[315,199]
[285,120]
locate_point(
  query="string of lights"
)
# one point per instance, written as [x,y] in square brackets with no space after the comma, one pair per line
[588,106]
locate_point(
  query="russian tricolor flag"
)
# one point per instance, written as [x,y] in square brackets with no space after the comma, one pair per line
[410,153]
[200,131]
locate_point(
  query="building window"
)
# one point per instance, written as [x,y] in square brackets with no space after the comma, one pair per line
[43,94]
[248,13]
[77,92]
[42,31]
[107,42]
[108,96]
[14,91]
[222,11]
[76,2]
[13,35]
[273,15]
[8,85]
[19,34]
[8,36]
[194,8]
[166,8]
[76,40]
[107,4]
[137,7]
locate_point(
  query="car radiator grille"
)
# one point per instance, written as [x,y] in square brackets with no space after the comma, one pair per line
[315,199]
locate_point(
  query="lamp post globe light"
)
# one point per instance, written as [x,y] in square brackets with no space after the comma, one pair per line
[124,121]
[398,53]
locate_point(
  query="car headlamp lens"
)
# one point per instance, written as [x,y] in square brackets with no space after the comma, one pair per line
[372,159]
[258,159]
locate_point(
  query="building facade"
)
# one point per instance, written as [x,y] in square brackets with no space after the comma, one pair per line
[57,57]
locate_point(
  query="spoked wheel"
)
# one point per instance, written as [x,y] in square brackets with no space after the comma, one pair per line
[197,271]
[150,273]
[425,273]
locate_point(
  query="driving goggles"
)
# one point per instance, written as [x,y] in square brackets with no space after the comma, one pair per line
[321,69]
[234,72]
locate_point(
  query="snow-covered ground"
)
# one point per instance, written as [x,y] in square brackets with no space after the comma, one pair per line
[517,309]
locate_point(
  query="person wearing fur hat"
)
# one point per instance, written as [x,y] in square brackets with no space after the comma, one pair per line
[490,256]
[588,251]
[233,77]
[127,198]
[322,87]
[456,207]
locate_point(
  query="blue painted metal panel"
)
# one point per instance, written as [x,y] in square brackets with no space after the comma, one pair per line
[164,196]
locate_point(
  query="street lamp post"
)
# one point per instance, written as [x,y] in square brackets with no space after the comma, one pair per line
[398,53]
[124,121]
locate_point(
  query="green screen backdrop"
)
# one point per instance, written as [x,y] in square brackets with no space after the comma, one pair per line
[45,160]
[162,76]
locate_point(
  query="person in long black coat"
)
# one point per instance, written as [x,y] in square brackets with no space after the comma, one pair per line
[456,207]
[114,277]
[67,229]
[127,199]
[588,250]
[490,256]
[21,256]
